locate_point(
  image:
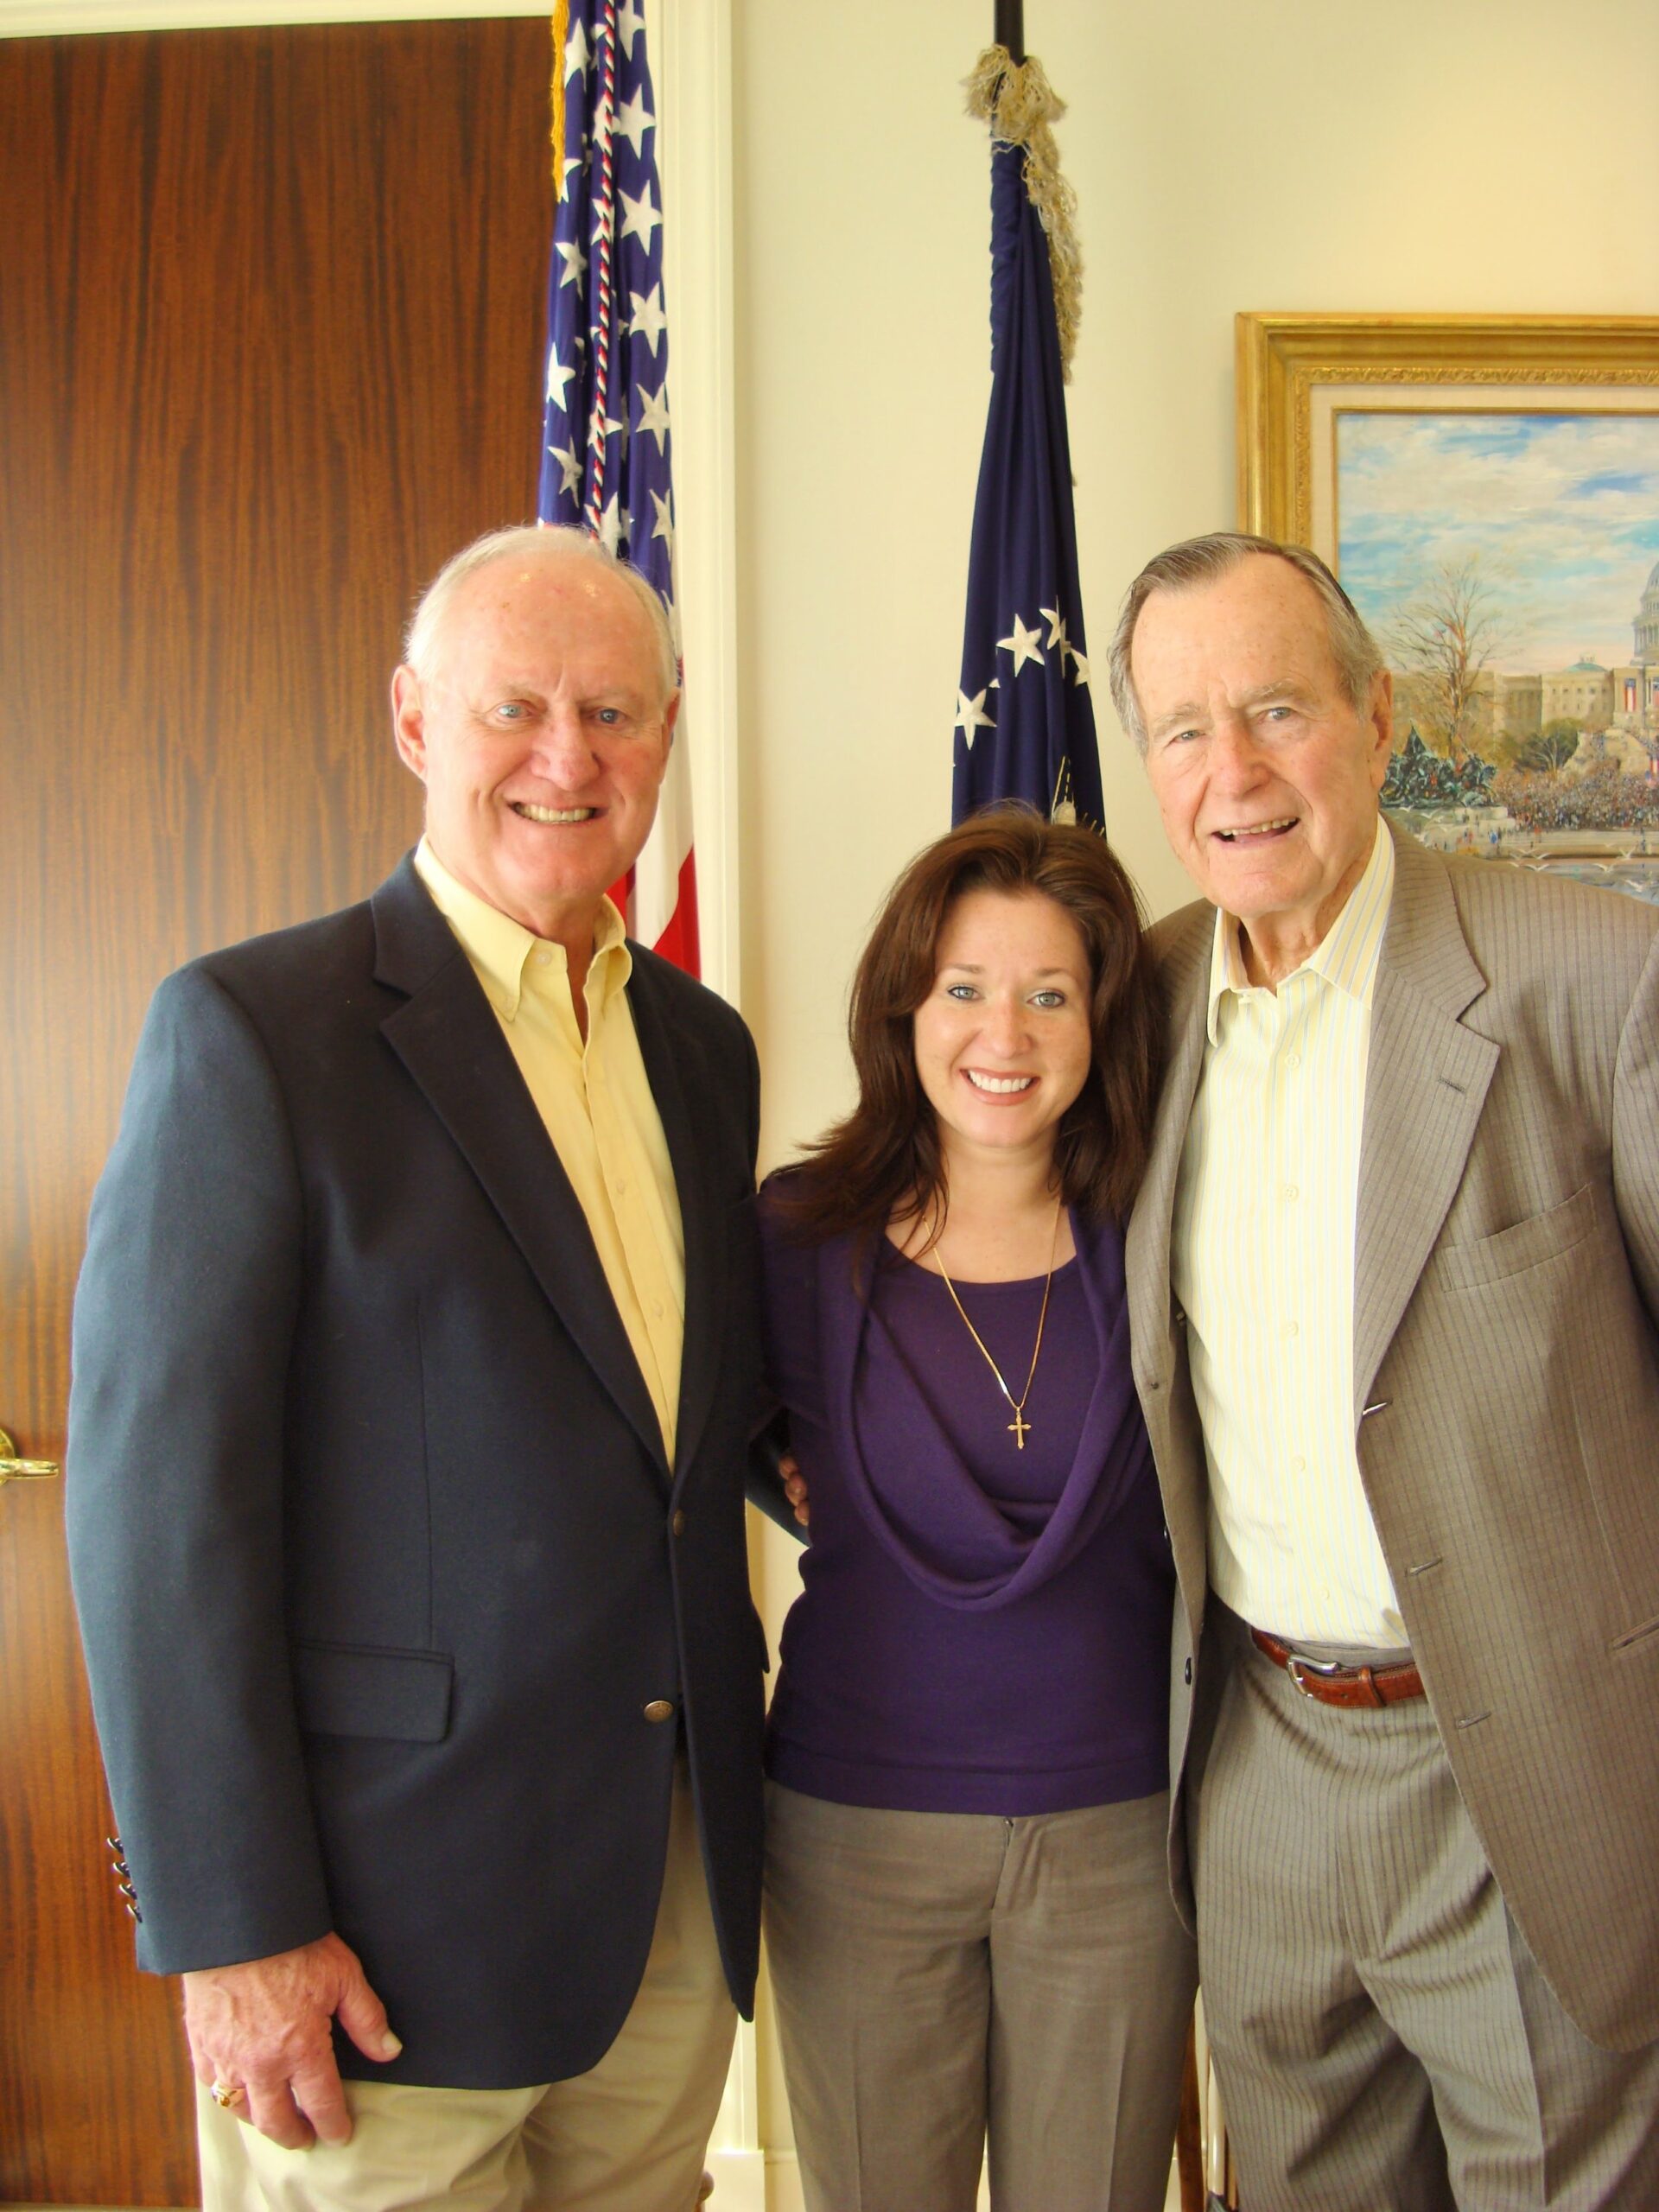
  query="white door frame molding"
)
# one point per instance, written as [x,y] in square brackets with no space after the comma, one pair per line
[691,41]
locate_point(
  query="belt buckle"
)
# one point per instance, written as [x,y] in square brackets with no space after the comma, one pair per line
[1296,1664]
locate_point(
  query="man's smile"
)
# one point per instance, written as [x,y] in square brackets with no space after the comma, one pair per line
[527,812]
[1257,829]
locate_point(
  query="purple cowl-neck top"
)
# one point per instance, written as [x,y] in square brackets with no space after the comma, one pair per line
[982,1629]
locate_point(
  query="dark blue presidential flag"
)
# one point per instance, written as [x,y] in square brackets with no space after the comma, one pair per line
[1024,724]
[607,451]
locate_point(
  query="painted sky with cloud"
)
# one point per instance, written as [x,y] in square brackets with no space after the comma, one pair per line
[1562,509]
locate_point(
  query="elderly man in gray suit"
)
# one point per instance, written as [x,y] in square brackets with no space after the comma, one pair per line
[1394,1281]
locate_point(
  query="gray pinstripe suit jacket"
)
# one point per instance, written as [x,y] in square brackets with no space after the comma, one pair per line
[1506,1382]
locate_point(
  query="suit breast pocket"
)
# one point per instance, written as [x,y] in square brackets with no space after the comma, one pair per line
[1525,1245]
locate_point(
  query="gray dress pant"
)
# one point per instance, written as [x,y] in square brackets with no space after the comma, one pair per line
[942,1978]
[1383,2039]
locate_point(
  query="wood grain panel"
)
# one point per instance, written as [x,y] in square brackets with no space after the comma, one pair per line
[271,309]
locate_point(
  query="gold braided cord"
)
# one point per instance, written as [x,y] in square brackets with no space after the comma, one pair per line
[556,97]
[1019,103]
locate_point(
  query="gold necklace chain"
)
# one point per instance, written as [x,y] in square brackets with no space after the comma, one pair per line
[1019,1427]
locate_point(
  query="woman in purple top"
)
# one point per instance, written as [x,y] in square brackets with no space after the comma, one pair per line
[966,1915]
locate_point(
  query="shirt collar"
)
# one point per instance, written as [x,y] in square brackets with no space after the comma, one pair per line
[499,947]
[1346,955]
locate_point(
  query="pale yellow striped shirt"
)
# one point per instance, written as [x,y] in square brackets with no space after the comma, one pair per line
[595,1102]
[1263,1261]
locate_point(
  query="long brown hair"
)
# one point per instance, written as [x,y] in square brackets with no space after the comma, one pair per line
[884,1161]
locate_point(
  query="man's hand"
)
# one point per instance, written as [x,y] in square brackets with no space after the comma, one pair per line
[795,1486]
[264,2027]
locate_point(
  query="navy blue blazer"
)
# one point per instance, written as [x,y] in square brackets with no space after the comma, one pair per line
[378,1558]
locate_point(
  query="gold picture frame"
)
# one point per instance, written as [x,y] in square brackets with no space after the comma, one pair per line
[1295,370]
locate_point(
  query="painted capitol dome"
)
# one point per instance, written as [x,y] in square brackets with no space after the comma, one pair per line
[1647,619]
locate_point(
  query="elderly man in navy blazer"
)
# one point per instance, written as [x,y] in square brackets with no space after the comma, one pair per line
[415,1356]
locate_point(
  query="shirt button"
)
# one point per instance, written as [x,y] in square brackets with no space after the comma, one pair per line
[1291,1329]
[656,1309]
[1298,1466]
[660,1709]
[620,1188]
[1290,1191]
[542,958]
[1293,1059]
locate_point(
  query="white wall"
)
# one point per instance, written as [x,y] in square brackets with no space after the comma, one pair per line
[1455,155]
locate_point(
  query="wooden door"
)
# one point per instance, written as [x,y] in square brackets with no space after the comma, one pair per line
[271,307]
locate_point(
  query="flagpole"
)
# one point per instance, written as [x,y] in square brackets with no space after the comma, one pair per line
[1011,30]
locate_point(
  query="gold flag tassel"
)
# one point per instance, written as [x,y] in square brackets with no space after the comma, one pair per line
[1019,103]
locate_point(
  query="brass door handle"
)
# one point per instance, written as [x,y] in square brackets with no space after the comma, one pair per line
[13,1469]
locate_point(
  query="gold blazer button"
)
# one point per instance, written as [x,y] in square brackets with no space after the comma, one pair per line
[660,1708]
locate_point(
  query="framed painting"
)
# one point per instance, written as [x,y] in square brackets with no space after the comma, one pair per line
[1487,489]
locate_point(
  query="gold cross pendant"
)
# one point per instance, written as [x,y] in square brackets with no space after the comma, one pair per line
[1019,1428]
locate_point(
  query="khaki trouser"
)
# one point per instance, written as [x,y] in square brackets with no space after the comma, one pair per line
[627,2136]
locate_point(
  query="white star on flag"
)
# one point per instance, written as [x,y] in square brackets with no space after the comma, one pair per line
[630,22]
[971,717]
[648,320]
[634,119]
[557,377]
[665,523]
[1024,645]
[576,261]
[1079,666]
[569,467]
[614,525]
[601,426]
[577,53]
[1056,636]
[640,217]
[654,414]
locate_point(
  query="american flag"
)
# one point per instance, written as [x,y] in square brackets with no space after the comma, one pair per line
[1024,725]
[606,458]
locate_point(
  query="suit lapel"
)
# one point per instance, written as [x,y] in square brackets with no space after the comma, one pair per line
[1157,1352]
[1426,1085]
[666,1049]
[451,1044]
[1146,1248]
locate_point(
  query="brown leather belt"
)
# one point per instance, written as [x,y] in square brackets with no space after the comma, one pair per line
[1345,1686]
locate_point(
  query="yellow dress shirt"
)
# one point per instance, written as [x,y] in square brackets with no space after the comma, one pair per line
[595,1102]
[1262,1263]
